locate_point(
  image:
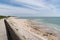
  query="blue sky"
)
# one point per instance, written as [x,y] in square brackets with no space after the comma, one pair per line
[30,7]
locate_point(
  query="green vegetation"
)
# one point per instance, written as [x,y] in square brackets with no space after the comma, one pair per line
[1,17]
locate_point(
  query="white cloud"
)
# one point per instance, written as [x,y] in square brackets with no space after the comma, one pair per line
[10,10]
[38,3]
[43,8]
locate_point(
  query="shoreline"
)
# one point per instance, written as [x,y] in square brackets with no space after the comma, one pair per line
[36,30]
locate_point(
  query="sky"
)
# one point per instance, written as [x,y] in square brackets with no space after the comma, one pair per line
[41,8]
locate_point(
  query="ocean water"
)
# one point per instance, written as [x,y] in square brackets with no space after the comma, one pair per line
[52,21]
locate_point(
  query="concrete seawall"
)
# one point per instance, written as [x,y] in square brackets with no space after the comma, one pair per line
[15,34]
[11,34]
[3,33]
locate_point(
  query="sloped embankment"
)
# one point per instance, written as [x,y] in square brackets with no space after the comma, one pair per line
[25,29]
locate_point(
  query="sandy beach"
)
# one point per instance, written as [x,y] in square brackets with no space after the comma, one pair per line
[28,30]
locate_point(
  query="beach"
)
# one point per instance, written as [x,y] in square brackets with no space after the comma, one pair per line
[27,29]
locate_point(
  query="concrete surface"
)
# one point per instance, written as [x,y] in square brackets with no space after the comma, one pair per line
[3,34]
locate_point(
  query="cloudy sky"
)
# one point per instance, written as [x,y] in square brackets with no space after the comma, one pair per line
[30,7]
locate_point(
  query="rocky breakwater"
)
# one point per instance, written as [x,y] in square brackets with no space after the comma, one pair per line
[27,29]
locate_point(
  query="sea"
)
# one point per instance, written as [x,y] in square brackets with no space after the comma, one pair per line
[54,22]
